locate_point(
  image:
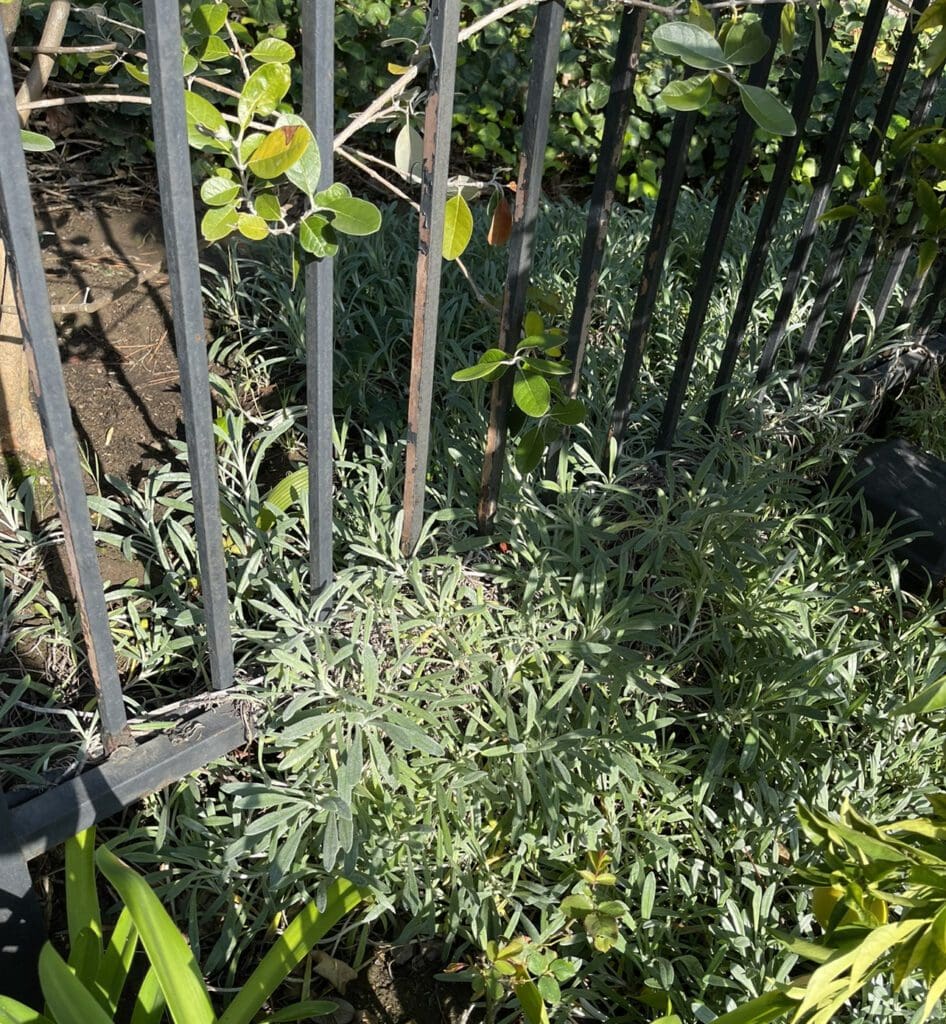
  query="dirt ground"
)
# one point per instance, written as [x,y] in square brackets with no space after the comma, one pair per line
[112,306]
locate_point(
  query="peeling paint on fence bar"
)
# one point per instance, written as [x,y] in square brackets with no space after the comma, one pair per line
[548,34]
[830,160]
[435,171]
[768,219]
[834,265]
[42,350]
[163,33]
[729,191]
[318,110]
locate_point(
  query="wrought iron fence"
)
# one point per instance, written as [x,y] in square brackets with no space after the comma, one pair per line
[212,727]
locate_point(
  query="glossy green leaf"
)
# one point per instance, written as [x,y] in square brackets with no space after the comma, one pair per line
[301,934]
[457,228]
[219,222]
[549,989]
[351,216]
[282,148]
[529,450]
[766,110]
[263,91]
[875,205]
[13,1012]
[219,191]
[214,48]
[267,206]
[85,955]
[273,51]
[550,367]
[699,15]
[169,954]
[117,959]
[569,413]
[149,1001]
[533,1006]
[33,142]
[927,199]
[317,237]
[292,488]
[688,93]
[82,900]
[305,172]
[206,128]
[692,44]
[69,1001]
[745,44]
[839,213]
[492,365]
[208,19]
[931,698]
[532,325]
[531,393]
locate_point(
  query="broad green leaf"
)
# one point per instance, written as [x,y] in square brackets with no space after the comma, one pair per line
[302,1011]
[33,142]
[577,905]
[457,228]
[936,52]
[219,191]
[927,200]
[936,992]
[549,989]
[699,15]
[532,326]
[692,44]
[408,151]
[290,489]
[267,206]
[206,128]
[533,1006]
[531,393]
[279,151]
[760,1010]
[13,1012]
[787,28]
[263,91]
[766,110]
[208,19]
[529,450]
[839,213]
[149,1001]
[305,172]
[69,1001]
[688,93]
[317,237]
[569,413]
[252,227]
[117,959]
[219,222]
[250,144]
[745,43]
[82,901]
[138,74]
[214,48]
[188,64]
[308,926]
[934,153]
[352,216]
[931,698]
[273,51]
[926,255]
[491,366]
[169,954]
[549,367]
[875,205]
[932,18]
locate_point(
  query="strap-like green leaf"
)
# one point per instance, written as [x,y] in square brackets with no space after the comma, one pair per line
[307,928]
[931,698]
[82,901]
[69,1001]
[532,1003]
[171,957]
[760,1010]
[116,961]
[150,1002]
[13,1012]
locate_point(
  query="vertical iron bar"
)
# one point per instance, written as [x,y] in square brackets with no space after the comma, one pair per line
[931,306]
[22,931]
[856,294]
[664,211]
[729,190]
[834,266]
[45,369]
[318,110]
[548,32]
[163,34]
[768,219]
[435,170]
[616,114]
[822,190]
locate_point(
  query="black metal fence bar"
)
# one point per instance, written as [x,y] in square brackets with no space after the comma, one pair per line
[768,219]
[830,160]
[42,351]
[636,339]
[435,172]
[834,265]
[852,304]
[729,190]
[22,929]
[548,34]
[318,110]
[927,320]
[616,114]
[163,34]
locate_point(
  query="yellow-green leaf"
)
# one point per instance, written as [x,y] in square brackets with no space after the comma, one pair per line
[251,226]
[457,228]
[279,151]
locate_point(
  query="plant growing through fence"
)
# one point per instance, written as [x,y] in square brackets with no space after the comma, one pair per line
[91,985]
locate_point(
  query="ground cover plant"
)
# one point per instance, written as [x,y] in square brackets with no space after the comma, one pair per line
[649,661]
